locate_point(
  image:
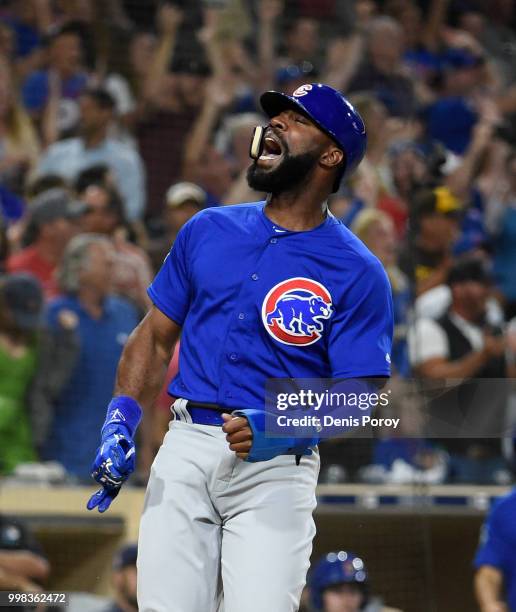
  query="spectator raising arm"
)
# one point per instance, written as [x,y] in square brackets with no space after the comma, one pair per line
[459,181]
[169,19]
[49,121]
[343,58]
[268,13]
[218,97]
[434,24]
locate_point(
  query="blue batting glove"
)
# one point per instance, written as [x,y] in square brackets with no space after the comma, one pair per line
[115,460]
[102,499]
[114,463]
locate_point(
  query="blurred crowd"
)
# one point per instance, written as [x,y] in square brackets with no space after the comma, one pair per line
[24,567]
[120,120]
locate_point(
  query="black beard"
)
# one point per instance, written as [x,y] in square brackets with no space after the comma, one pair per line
[290,173]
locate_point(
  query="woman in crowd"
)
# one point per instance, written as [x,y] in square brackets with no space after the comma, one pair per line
[19,147]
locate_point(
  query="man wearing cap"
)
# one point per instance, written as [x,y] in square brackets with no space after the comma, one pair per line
[104,214]
[94,146]
[270,289]
[434,226]
[123,580]
[382,69]
[101,323]
[23,566]
[52,223]
[183,200]
[339,582]
[459,349]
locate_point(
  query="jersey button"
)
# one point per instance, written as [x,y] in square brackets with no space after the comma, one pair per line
[233,356]
[254,276]
[241,316]
[274,240]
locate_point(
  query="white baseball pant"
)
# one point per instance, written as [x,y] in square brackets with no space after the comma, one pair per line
[219,533]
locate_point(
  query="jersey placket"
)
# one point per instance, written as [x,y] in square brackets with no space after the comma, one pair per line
[246,321]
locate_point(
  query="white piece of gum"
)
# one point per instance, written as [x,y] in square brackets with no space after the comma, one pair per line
[257,142]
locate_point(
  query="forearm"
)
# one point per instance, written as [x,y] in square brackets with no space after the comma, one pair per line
[200,135]
[344,58]
[43,15]
[24,564]
[266,54]
[466,367]
[49,119]
[488,588]
[459,181]
[140,375]
[434,22]
[143,365]
[13,582]
[158,68]
[163,55]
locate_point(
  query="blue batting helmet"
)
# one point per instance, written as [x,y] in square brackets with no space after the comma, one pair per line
[333,569]
[330,111]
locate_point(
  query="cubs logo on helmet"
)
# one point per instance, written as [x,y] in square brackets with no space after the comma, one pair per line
[303,90]
[295,310]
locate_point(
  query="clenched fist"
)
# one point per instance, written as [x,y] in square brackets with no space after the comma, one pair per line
[238,434]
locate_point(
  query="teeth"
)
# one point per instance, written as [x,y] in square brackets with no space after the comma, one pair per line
[273,146]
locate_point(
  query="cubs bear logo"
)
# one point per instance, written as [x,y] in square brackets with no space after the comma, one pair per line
[294,311]
[302,90]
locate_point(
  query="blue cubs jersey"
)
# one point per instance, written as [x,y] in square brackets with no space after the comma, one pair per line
[498,544]
[256,301]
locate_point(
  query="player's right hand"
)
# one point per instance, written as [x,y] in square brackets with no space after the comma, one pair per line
[238,435]
[114,463]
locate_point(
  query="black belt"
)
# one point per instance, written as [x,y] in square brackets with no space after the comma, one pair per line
[203,413]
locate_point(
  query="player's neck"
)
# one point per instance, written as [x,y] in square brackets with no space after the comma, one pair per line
[296,212]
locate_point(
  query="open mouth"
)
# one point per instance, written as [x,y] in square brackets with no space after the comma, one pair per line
[272,148]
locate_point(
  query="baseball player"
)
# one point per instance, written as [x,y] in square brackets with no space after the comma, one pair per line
[339,582]
[228,510]
[495,561]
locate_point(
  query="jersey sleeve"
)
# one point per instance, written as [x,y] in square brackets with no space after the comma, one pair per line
[170,290]
[494,548]
[360,339]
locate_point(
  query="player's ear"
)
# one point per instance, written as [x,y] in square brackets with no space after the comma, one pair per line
[332,157]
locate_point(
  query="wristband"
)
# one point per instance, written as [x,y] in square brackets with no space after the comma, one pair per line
[123,410]
[264,448]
